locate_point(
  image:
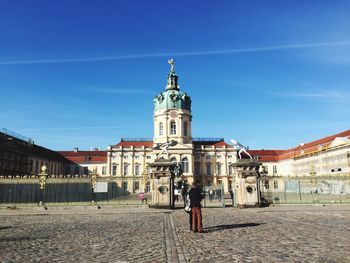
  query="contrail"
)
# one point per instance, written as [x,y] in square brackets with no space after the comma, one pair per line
[178,54]
[84,128]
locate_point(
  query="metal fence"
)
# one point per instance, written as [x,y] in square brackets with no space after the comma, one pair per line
[306,190]
[214,196]
[66,191]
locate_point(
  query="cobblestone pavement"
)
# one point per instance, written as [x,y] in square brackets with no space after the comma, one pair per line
[140,234]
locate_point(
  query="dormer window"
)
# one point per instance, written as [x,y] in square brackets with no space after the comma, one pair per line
[172,128]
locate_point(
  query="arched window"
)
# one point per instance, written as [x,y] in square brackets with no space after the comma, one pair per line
[172,127]
[173,160]
[184,163]
[160,128]
[185,128]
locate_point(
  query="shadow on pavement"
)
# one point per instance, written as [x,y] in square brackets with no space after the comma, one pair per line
[5,227]
[223,227]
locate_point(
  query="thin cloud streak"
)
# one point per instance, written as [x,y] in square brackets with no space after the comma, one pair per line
[178,54]
[118,91]
[315,95]
[84,128]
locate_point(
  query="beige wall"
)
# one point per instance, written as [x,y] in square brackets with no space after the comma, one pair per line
[331,161]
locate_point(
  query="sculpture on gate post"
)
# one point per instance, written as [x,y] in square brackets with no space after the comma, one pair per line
[240,148]
[178,170]
[164,148]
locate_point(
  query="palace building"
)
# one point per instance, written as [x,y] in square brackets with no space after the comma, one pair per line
[207,160]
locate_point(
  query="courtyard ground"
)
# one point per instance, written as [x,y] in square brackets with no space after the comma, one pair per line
[141,234]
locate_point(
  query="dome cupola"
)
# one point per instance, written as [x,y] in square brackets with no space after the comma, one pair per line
[172,98]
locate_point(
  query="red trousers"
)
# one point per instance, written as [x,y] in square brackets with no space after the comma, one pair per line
[197,219]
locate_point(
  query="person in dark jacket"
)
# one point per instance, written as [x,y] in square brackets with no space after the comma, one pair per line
[195,201]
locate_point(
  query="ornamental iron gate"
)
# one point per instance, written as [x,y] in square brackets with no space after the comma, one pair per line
[213,196]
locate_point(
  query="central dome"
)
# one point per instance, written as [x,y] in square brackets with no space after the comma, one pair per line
[172,99]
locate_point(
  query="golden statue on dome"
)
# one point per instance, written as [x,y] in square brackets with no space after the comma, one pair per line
[172,63]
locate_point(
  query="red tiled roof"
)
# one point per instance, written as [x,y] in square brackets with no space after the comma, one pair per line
[266,155]
[278,155]
[85,156]
[82,153]
[218,144]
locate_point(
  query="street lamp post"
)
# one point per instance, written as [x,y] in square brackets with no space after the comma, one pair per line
[93,177]
[42,183]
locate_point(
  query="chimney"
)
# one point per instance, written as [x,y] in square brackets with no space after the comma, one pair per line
[76,150]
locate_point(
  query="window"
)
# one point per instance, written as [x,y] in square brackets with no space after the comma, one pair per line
[137,157]
[207,157]
[173,159]
[125,157]
[125,186]
[197,168]
[87,159]
[136,186]
[218,156]
[274,169]
[148,187]
[230,169]
[67,170]
[208,166]
[86,170]
[185,128]
[161,129]
[185,165]
[197,156]
[148,157]
[114,170]
[172,128]
[126,169]
[137,169]
[275,184]
[229,156]
[103,170]
[218,168]
[266,184]
[76,170]
[209,183]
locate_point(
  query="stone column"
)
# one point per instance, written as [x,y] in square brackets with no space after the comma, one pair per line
[246,187]
[162,175]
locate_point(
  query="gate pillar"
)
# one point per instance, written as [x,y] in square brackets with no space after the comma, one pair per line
[163,173]
[245,184]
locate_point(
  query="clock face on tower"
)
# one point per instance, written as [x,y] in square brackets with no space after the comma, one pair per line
[173,114]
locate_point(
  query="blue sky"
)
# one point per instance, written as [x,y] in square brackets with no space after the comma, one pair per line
[270,74]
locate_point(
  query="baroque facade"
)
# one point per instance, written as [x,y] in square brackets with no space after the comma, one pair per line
[204,160]
[209,161]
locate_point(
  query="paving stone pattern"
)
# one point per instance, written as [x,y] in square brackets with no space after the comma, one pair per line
[292,234]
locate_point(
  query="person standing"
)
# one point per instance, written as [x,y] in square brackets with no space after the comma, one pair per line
[195,201]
